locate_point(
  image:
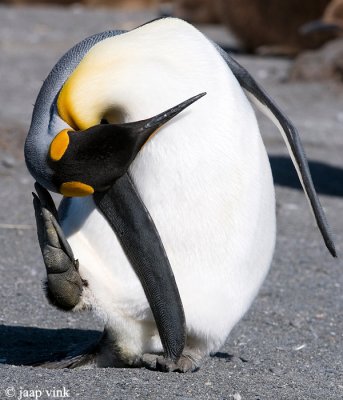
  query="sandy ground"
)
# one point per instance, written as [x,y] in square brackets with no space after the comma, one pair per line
[288,346]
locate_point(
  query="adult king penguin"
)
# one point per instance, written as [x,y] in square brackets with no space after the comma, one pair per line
[202,184]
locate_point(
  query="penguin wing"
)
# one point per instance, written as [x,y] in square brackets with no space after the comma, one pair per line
[291,137]
[140,240]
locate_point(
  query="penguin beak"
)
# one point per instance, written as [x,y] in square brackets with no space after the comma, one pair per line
[92,160]
[319,26]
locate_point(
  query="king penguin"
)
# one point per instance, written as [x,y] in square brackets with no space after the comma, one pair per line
[201,176]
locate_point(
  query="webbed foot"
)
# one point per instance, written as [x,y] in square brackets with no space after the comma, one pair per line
[64,283]
[186,363]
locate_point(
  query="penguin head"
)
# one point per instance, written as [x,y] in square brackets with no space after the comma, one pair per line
[85,161]
[77,143]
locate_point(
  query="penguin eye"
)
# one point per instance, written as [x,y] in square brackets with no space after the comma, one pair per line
[104,121]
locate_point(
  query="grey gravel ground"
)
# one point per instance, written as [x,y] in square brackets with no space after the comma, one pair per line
[288,346]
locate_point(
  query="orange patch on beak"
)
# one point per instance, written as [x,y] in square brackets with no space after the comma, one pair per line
[76,189]
[59,145]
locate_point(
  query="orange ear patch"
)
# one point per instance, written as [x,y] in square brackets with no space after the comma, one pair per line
[76,189]
[59,145]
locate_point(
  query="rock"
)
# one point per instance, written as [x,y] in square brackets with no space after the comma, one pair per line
[9,162]
[325,63]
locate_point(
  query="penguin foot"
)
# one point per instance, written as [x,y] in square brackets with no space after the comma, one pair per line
[148,361]
[64,283]
[186,363]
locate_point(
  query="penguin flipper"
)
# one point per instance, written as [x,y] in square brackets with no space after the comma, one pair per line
[139,238]
[64,283]
[291,137]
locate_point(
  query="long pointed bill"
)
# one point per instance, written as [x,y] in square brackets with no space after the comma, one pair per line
[91,160]
[160,119]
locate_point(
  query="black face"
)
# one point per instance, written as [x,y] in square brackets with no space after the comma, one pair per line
[95,158]
[98,156]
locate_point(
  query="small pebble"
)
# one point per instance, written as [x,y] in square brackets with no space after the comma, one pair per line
[297,348]
[263,74]
[275,370]
[339,117]
[9,162]
[290,206]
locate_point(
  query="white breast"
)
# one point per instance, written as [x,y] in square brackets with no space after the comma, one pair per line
[204,177]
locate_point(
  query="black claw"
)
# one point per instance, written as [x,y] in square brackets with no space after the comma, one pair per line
[37,205]
[46,199]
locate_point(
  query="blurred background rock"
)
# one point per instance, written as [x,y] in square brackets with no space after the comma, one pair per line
[266,27]
[108,3]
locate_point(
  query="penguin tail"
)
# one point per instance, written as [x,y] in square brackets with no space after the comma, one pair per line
[79,357]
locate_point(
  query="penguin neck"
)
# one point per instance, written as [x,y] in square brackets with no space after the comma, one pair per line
[44,119]
[135,75]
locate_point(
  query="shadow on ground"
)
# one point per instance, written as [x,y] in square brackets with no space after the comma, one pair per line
[22,345]
[328,180]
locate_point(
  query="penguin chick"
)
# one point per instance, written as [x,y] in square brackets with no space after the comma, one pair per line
[204,178]
[274,25]
[326,62]
[334,14]
[331,21]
